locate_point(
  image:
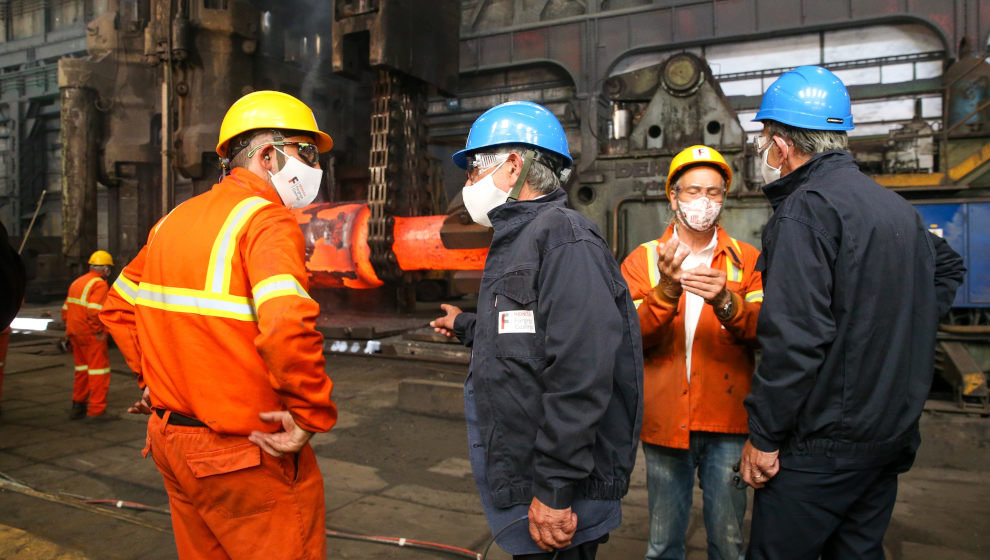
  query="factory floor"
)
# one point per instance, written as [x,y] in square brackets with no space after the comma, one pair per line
[386,472]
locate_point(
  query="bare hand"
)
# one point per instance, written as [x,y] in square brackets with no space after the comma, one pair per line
[669,260]
[758,467]
[551,528]
[143,406]
[445,325]
[291,439]
[706,282]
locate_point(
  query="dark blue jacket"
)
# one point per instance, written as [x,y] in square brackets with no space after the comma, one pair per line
[560,407]
[854,285]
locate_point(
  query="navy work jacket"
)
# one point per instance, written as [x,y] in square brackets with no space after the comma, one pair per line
[557,359]
[854,285]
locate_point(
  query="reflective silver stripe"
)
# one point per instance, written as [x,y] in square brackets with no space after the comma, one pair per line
[126,288]
[85,293]
[195,301]
[218,277]
[102,371]
[756,295]
[82,368]
[277,286]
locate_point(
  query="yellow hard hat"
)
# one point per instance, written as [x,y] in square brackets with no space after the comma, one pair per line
[101,258]
[271,110]
[695,155]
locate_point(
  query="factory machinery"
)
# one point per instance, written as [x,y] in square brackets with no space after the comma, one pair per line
[398,84]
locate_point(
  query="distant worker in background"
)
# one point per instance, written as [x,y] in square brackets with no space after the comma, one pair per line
[88,337]
[855,285]
[12,283]
[214,316]
[553,398]
[698,295]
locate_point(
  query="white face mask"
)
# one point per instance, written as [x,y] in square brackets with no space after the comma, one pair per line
[700,214]
[483,197]
[770,174]
[296,183]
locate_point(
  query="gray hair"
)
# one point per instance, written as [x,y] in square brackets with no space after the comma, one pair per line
[808,142]
[542,180]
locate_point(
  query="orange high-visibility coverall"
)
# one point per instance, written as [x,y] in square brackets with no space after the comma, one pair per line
[214,316]
[89,341]
[722,357]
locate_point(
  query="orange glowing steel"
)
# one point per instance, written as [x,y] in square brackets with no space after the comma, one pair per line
[417,246]
[338,256]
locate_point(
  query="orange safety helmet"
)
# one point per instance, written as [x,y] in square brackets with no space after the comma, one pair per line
[698,155]
[100,258]
[271,110]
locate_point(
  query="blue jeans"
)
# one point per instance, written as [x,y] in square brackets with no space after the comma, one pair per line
[670,482]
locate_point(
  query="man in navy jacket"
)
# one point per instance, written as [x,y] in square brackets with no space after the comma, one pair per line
[854,285]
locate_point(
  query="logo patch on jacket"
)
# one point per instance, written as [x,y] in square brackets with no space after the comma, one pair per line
[516,322]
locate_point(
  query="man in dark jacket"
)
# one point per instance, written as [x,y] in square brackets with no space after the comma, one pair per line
[854,285]
[553,399]
[12,282]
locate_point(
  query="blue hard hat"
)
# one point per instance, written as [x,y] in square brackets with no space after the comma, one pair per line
[808,97]
[516,122]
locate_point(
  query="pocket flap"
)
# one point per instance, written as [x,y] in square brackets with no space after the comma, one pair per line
[517,288]
[221,461]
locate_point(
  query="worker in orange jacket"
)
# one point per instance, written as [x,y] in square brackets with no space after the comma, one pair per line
[698,294]
[88,336]
[214,316]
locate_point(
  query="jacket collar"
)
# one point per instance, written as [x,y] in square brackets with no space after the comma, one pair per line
[780,189]
[512,210]
[245,181]
[724,243]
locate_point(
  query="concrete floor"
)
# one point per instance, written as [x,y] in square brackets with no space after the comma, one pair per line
[387,472]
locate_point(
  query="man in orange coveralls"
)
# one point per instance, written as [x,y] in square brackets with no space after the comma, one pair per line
[698,295]
[214,316]
[80,312]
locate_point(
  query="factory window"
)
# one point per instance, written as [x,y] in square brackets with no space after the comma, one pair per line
[27,18]
[65,13]
[215,4]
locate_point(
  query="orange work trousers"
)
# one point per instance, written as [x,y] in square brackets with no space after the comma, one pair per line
[4,341]
[92,372]
[229,499]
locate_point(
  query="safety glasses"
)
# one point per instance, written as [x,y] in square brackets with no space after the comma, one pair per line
[308,152]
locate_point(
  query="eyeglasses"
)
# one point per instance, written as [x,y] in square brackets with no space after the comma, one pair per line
[309,153]
[692,191]
[760,142]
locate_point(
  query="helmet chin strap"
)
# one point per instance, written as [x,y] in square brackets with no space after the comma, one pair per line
[528,157]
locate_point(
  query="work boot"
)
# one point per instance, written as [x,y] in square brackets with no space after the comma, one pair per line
[78,410]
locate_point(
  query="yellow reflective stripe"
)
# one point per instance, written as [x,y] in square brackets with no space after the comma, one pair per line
[755,295]
[277,286]
[218,276]
[1,364]
[651,262]
[126,288]
[637,303]
[75,301]
[733,272]
[82,368]
[102,371]
[198,302]
[94,306]
[87,288]
[65,305]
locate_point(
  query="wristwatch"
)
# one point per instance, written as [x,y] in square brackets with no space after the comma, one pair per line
[724,311]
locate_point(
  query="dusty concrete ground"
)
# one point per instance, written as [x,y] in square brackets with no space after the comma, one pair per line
[387,472]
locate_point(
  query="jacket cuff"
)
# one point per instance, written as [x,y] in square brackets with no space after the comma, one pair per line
[555,498]
[763,444]
[662,298]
